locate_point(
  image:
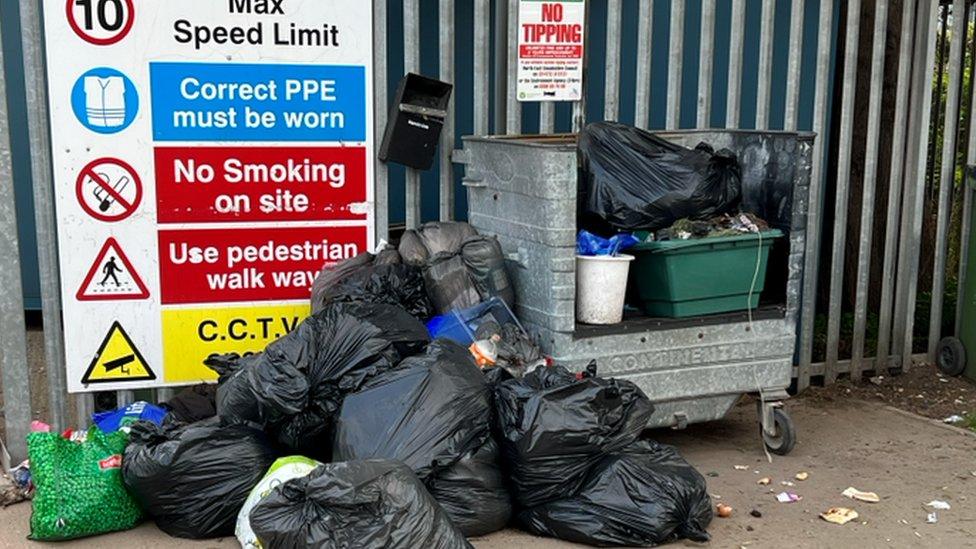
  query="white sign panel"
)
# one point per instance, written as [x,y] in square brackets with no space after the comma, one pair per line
[550,50]
[210,157]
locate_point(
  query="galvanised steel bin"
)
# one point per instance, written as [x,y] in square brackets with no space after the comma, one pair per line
[524,190]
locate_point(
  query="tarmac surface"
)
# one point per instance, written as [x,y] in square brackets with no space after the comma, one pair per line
[907,460]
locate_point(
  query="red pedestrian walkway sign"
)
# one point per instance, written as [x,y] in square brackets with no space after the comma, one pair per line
[112,277]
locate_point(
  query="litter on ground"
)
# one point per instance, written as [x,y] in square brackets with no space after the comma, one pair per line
[854,493]
[839,515]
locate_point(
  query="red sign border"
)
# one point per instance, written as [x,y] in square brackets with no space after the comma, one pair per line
[112,243]
[79,183]
[101,41]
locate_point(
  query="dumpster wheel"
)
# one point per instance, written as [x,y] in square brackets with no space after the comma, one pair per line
[951,356]
[780,437]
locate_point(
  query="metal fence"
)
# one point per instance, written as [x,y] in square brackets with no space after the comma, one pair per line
[493,69]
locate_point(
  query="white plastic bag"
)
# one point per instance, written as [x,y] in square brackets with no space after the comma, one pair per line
[281,471]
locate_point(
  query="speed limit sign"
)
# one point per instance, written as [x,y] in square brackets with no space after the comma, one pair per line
[101,22]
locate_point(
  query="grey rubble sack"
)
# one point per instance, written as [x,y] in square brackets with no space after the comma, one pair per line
[461,267]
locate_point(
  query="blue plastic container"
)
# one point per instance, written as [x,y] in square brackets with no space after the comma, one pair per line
[461,325]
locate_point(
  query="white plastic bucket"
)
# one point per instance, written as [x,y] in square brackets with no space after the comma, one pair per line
[601,285]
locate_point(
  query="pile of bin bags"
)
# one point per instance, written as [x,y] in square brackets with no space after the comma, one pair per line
[438,268]
[416,447]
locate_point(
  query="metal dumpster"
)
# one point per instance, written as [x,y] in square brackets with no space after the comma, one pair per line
[524,190]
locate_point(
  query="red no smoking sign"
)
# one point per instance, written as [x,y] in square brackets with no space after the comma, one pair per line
[109,189]
[101,22]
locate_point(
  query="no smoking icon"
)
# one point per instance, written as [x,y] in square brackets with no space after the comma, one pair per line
[109,189]
[101,22]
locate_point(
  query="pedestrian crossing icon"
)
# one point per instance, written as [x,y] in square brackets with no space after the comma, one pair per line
[112,277]
[117,360]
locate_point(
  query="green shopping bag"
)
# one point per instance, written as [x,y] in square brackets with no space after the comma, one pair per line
[79,486]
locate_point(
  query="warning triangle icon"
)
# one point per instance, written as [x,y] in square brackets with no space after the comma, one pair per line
[117,360]
[112,277]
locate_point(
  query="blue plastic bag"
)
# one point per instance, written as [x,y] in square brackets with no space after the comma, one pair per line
[123,417]
[588,243]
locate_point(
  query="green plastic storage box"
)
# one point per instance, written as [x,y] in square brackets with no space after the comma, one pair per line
[684,278]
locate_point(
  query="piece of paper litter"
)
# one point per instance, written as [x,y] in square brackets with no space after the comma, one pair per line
[854,493]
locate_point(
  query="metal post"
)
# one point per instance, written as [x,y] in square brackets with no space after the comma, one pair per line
[13,335]
[500,46]
[411,63]
[793,70]
[513,117]
[766,64]
[642,108]
[35,76]
[967,216]
[381,110]
[675,61]
[579,107]
[895,185]
[912,236]
[706,64]
[948,175]
[843,181]
[870,184]
[480,64]
[736,40]
[446,71]
[611,89]
[814,214]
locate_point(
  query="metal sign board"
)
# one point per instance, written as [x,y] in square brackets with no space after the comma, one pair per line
[210,158]
[550,50]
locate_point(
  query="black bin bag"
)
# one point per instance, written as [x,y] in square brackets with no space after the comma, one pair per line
[461,268]
[372,504]
[642,496]
[369,278]
[433,413]
[555,428]
[295,387]
[634,180]
[193,479]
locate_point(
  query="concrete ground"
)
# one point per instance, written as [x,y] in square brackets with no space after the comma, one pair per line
[906,459]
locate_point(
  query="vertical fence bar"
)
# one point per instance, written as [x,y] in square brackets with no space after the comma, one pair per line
[706,64]
[895,185]
[908,255]
[124,398]
[736,41]
[35,75]
[948,175]
[13,335]
[411,63]
[480,65]
[814,213]
[765,64]
[870,184]
[611,88]
[547,117]
[794,67]
[843,183]
[446,71]
[675,61]
[967,216]
[381,110]
[642,108]
[500,71]
[579,107]
[513,117]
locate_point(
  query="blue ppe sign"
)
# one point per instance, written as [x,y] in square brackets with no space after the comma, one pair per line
[104,100]
[246,102]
